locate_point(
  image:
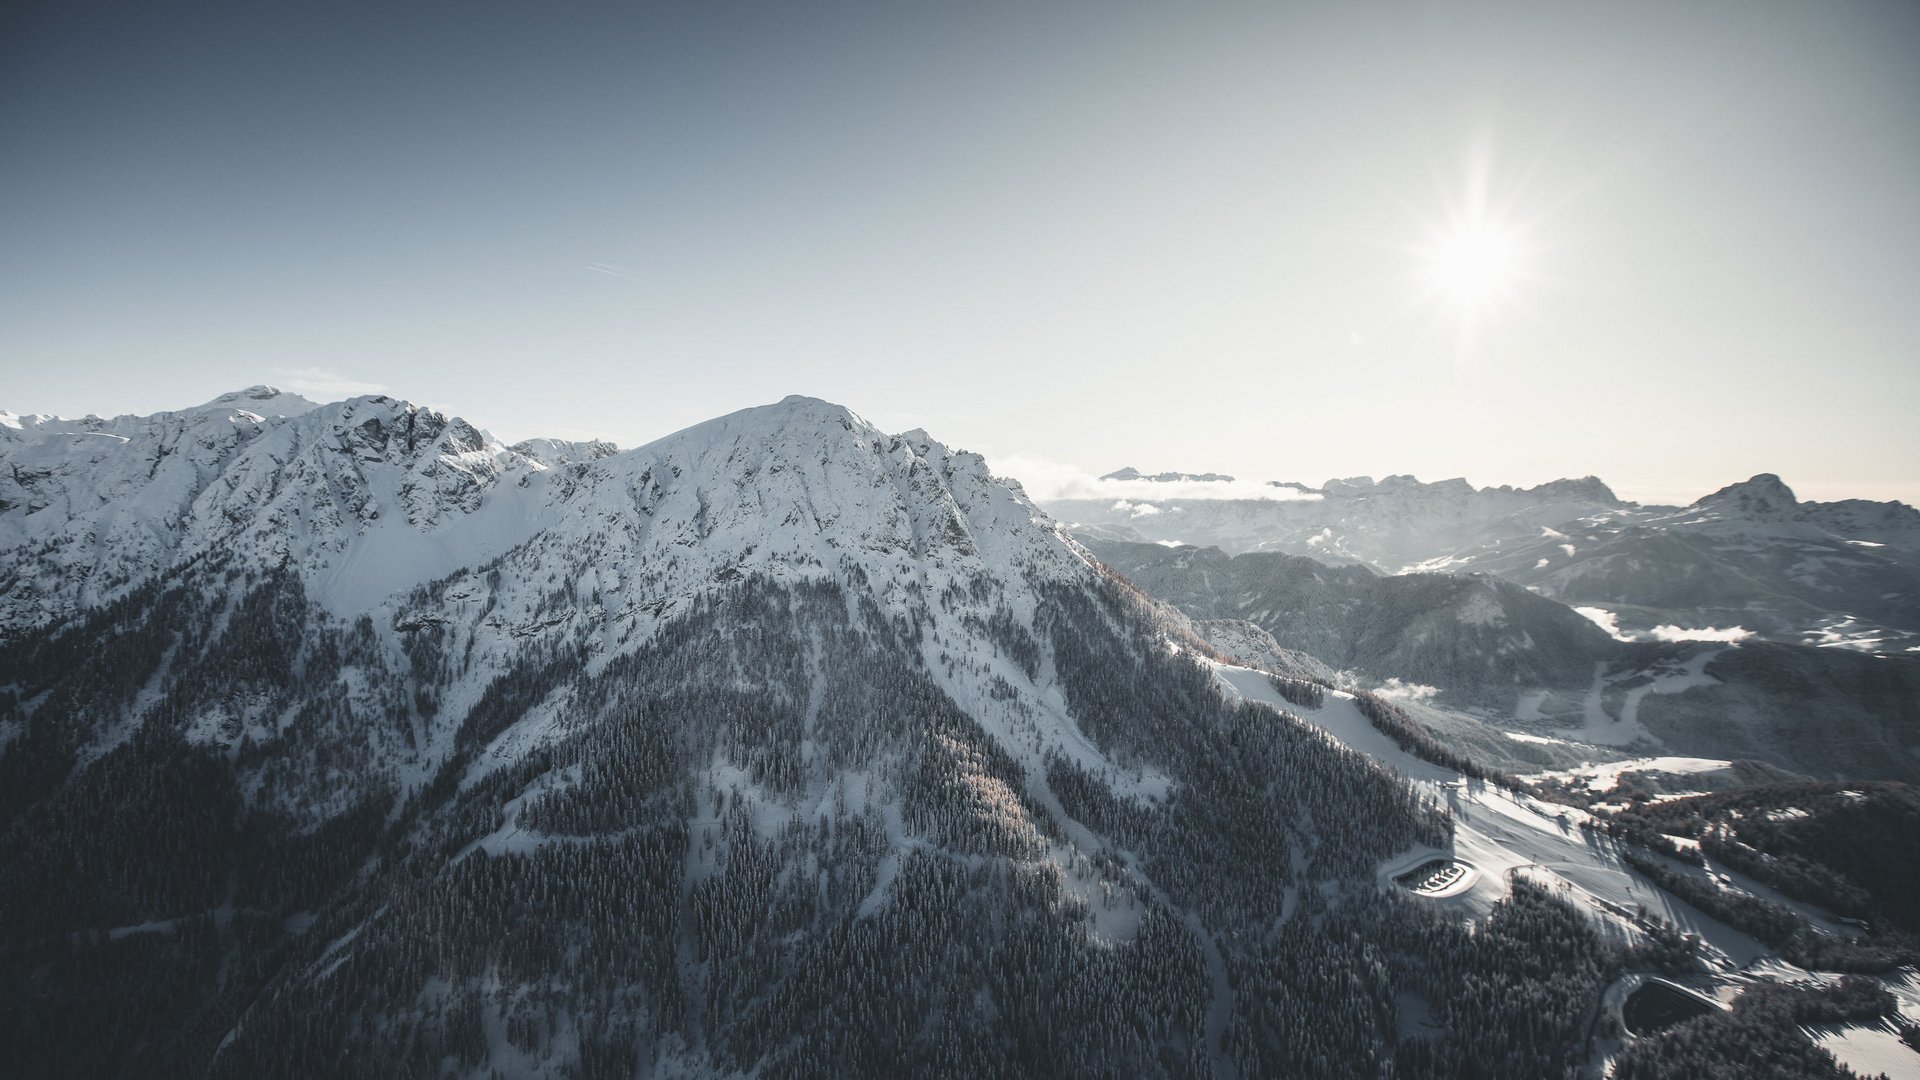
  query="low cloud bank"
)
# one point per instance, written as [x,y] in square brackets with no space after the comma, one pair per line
[1407,691]
[1669,632]
[1608,621]
[1605,620]
[1052,481]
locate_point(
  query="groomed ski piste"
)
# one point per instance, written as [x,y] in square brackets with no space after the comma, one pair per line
[1501,835]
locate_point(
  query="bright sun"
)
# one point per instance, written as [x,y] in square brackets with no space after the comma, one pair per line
[1474,264]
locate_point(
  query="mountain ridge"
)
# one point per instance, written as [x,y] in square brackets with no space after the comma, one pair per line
[775,699]
[1749,556]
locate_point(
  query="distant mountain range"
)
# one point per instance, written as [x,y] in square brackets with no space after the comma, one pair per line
[1750,558]
[1476,644]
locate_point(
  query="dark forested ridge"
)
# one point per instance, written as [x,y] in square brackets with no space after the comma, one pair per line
[1764,1036]
[1851,849]
[1480,641]
[1477,636]
[766,840]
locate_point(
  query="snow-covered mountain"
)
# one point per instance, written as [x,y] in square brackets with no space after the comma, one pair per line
[368,498]
[345,740]
[376,507]
[361,497]
[823,750]
[1388,524]
[1481,638]
[1750,556]
[1519,678]
[553,453]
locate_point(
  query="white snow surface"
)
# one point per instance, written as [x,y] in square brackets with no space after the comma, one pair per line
[363,497]
[371,497]
[1601,728]
[1870,1051]
[1503,836]
[388,510]
[1605,776]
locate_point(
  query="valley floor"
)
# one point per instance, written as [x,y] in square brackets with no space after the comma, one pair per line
[1502,835]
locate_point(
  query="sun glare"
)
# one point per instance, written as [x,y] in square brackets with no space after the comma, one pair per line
[1474,264]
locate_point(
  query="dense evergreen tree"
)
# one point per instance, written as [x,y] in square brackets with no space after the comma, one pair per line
[765,840]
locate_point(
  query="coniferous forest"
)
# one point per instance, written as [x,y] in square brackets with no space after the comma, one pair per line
[765,841]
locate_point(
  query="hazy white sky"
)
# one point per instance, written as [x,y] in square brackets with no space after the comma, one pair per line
[1181,236]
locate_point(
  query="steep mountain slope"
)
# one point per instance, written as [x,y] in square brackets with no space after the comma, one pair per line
[363,497]
[1389,525]
[1748,556]
[779,745]
[1471,650]
[554,453]
[1831,714]
[1479,636]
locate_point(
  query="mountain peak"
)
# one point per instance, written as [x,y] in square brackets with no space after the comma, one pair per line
[794,416]
[1588,488]
[1349,485]
[261,399]
[1131,473]
[799,408]
[1764,495]
[554,453]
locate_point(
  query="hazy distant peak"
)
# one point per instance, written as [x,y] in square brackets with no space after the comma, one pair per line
[1348,486]
[1765,495]
[1292,485]
[1131,473]
[1399,483]
[1586,488]
[1456,485]
[252,404]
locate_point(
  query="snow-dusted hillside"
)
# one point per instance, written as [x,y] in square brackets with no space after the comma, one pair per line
[361,497]
[368,498]
[1389,524]
[1748,559]
[1486,659]
[379,507]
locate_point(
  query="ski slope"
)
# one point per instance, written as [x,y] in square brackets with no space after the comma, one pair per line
[1502,835]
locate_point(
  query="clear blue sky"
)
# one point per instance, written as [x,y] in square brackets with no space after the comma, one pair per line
[1187,235]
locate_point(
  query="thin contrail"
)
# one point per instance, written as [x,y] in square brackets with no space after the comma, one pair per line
[613,271]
